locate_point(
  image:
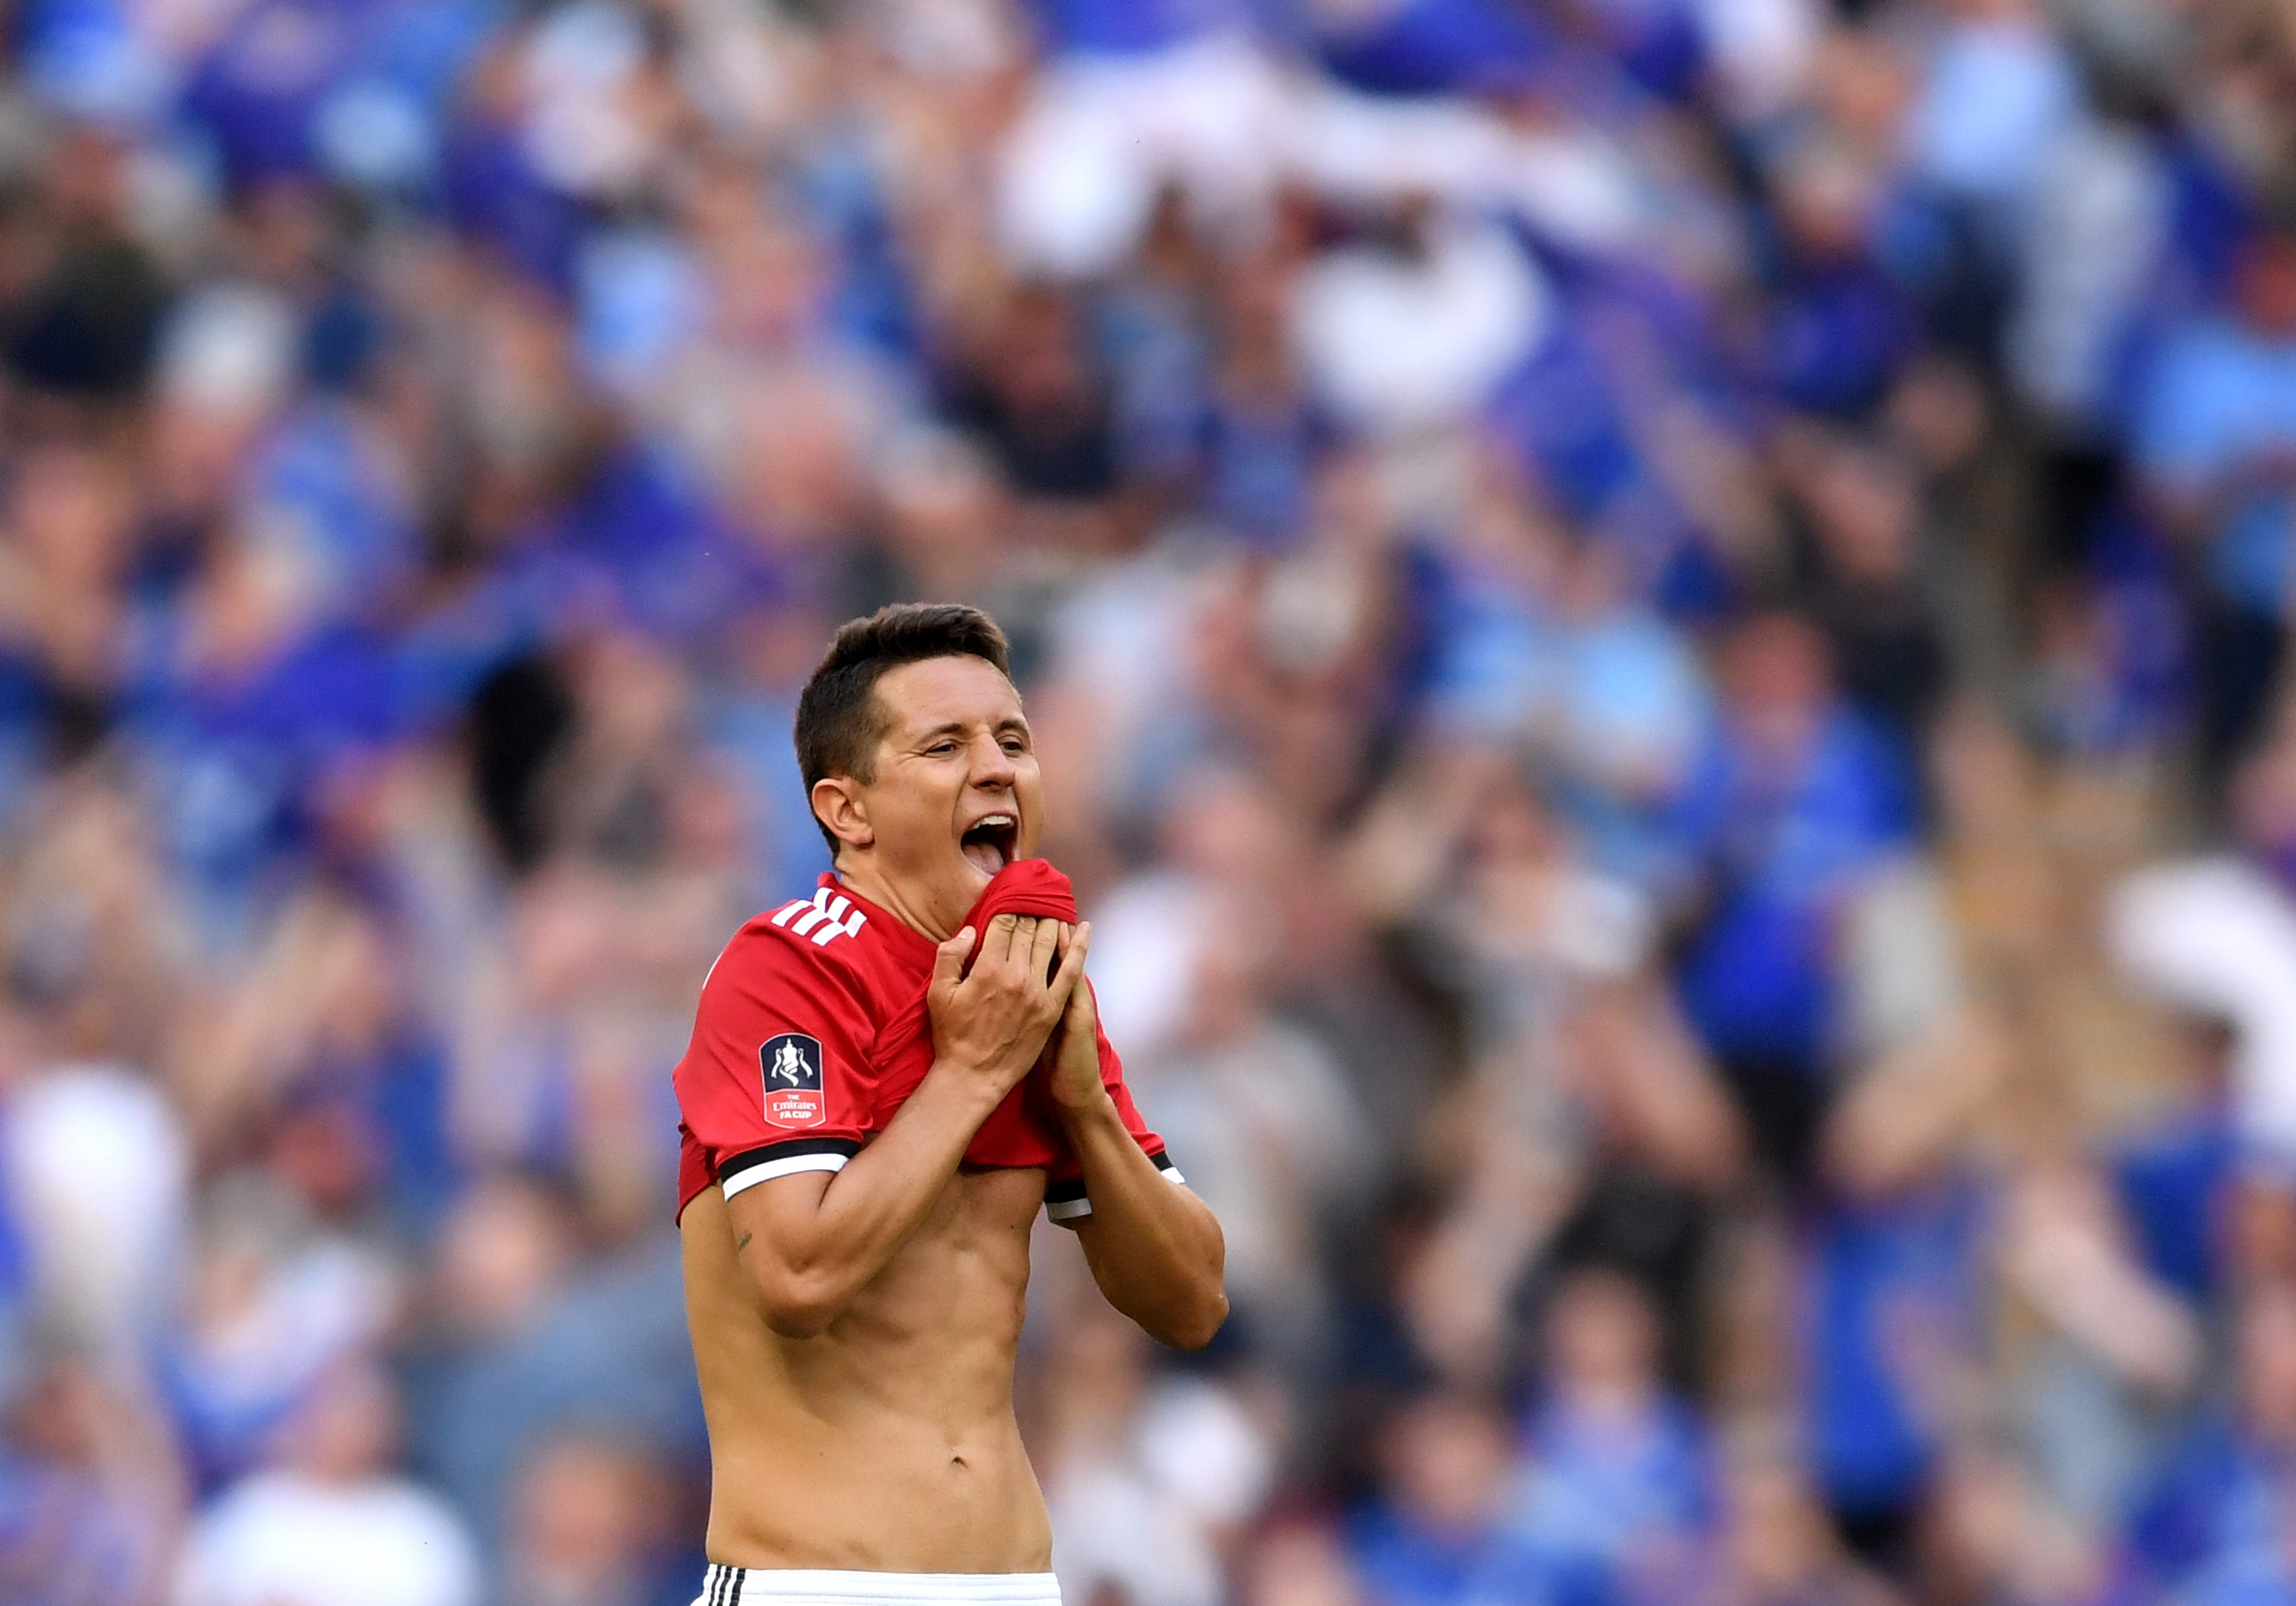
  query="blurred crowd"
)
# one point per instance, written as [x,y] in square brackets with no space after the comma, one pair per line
[1658,633]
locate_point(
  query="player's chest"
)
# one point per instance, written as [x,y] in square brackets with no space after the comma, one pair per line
[1019,1133]
[972,1248]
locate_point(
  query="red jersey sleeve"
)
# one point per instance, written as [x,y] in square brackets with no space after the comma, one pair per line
[1065,1198]
[776,1079]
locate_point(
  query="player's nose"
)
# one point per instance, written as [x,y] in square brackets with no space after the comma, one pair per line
[992,766]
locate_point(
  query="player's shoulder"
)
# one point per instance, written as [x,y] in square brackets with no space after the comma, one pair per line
[825,934]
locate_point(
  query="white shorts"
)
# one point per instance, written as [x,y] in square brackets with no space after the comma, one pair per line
[724,1585]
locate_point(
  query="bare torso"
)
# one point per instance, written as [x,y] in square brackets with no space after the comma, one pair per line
[887,1443]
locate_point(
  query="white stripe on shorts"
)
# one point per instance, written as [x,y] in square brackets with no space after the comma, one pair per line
[725,1586]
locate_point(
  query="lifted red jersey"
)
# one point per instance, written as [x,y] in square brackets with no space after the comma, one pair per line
[812,1031]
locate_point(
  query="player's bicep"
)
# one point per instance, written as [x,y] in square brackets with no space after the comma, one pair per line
[773,1220]
[787,1254]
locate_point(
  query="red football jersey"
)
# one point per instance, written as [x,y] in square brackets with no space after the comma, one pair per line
[813,1030]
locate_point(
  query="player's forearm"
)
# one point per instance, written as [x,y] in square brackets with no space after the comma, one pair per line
[1155,1250]
[810,1261]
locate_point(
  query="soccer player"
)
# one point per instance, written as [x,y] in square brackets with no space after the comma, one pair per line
[884,1082]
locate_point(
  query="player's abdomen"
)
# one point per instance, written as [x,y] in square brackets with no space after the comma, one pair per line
[888,1443]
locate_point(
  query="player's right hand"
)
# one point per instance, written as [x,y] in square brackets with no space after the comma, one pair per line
[992,1021]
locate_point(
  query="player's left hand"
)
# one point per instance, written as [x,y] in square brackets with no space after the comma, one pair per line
[1074,1050]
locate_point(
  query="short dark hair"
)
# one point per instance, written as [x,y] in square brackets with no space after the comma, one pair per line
[838,722]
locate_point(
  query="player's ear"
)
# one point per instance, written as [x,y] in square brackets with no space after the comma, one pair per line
[838,804]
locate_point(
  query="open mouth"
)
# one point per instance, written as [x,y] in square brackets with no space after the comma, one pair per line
[988,843]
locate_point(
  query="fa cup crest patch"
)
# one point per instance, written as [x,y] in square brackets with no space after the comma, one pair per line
[792,1064]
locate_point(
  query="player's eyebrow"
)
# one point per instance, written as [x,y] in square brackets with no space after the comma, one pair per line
[957,728]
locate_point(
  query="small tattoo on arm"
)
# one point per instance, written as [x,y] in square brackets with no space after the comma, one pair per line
[742,1243]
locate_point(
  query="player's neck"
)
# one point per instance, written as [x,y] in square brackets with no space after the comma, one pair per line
[862,875]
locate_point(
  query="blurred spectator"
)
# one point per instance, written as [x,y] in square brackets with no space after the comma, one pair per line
[1149,1484]
[1281,1139]
[2217,1521]
[1447,1466]
[523,1339]
[1892,1312]
[2177,1176]
[275,1303]
[1776,1546]
[1301,1565]
[105,1259]
[1034,396]
[1873,595]
[1474,307]
[1616,1498]
[1990,1535]
[1794,797]
[2215,935]
[1839,328]
[330,1521]
[1997,85]
[2216,431]
[90,1504]
[586,1527]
